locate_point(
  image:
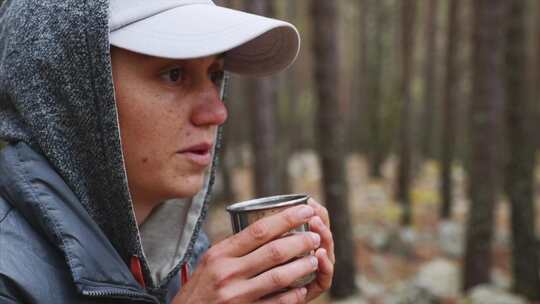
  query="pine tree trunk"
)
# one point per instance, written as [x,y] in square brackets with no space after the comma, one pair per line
[289,138]
[330,143]
[521,163]
[359,123]
[449,109]
[262,100]
[376,155]
[537,87]
[430,78]
[486,104]
[408,14]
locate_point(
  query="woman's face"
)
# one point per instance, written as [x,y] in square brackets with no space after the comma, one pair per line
[169,111]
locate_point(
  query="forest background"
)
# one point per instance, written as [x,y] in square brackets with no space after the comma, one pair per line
[414,122]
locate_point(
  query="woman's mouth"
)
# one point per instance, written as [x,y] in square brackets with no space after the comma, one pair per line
[199,154]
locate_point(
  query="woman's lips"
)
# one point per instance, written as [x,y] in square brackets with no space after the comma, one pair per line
[199,154]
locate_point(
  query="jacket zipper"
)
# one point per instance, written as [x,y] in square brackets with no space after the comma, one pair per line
[120,293]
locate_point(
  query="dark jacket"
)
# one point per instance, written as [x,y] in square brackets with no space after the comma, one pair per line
[51,251]
[67,226]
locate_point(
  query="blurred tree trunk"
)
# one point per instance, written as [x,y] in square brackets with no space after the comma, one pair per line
[373,82]
[451,87]
[331,135]
[408,15]
[430,77]
[537,87]
[295,122]
[262,100]
[487,100]
[521,163]
[292,120]
[359,123]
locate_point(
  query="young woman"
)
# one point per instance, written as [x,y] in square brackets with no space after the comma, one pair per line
[111,111]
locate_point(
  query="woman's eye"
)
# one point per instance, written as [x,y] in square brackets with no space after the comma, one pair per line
[217,78]
[173,75]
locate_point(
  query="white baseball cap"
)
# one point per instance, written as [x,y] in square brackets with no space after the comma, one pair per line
[186,29]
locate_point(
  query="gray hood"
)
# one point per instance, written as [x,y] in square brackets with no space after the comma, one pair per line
[57,95]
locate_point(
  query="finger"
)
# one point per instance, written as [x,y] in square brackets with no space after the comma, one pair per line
[293,296]
[282,277]
[279,251]
[325,273]
[321,211]
[327,240]
[265,230]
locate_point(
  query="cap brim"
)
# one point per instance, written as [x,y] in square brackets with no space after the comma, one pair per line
[253,44]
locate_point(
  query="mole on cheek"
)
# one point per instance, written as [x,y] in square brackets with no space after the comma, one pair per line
[145,160]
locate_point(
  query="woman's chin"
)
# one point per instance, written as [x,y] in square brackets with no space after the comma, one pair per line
[188,189]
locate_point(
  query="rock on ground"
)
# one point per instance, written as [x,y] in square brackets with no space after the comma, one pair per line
[439,278]
[451,236]
[487,294]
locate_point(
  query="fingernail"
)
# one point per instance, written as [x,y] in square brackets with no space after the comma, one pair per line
[316,239]
[303,291]
[314,262]
[305,212]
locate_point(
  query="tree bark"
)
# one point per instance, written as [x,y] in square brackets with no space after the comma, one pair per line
[537,87]
[430,77]
[331,135]
[521,163]
[408,14]
[262,100]
[358,124]
[449,108]
[373,82]
[487,100]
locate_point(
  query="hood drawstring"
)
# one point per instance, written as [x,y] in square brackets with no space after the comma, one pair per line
[185,274]
[136,270]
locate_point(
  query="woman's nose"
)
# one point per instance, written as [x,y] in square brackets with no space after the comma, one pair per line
[210,111]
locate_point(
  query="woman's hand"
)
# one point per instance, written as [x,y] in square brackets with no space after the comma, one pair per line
[320,224]
[251,265]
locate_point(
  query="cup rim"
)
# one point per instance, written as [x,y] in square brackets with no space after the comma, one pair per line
[268,202]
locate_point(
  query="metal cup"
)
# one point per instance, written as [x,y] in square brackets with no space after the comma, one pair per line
[247,212]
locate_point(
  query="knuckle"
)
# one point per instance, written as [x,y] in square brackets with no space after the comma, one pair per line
[276,254]
[258,231]
[209,257]
[283,300]
[224,297]
[222,277]
[307,241]
[298,297]
[290,219]
[290,298]
[277,279]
